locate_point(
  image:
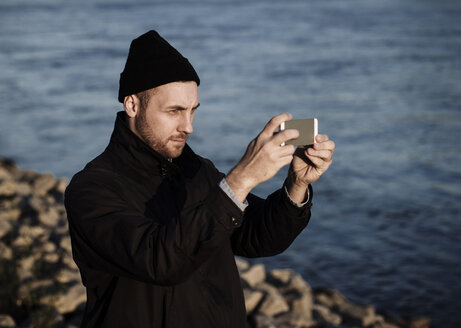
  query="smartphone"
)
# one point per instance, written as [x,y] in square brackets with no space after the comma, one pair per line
[308,130]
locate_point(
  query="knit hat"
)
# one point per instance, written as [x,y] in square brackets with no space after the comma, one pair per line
[151,62]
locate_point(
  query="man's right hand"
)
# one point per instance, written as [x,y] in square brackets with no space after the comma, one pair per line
[263,158]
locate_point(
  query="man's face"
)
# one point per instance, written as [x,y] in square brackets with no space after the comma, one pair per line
[166,122]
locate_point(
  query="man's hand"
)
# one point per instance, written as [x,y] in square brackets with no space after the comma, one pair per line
[263,158]
[308,165]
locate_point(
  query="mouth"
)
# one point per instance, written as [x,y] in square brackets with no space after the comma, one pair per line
[180,140]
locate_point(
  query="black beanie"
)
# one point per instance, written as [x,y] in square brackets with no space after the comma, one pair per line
[151,62]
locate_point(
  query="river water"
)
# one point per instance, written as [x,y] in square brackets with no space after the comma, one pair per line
[382,77]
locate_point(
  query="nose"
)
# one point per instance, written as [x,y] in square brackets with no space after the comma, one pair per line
[186,124]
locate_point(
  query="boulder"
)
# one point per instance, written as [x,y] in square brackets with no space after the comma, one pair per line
[254,275]
[70,299]
[293,319]
[273,303]
[6,321]
[252,299]
[323,314]
[242,265]
[43,183]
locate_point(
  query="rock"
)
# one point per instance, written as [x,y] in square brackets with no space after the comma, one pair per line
[262,321]
[43,184]
[69,262]
[254,275]
[32,232]
[355,314]
[273,302]
[242,265]
[37,287]
[66,276]
[300,302]
[70,299]
[7,188]
[323,314]
[5,228]
[49,217]
[280,277]
[252,299]
[420,322]
[292,319]
[66,244]
[24,270]
[61,185]
[10,215]
[6,321]
[52,258]
[6,253]
[329,298]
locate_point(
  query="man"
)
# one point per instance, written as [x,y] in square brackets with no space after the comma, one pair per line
[155,227]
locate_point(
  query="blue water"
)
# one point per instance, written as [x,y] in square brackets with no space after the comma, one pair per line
[382,77]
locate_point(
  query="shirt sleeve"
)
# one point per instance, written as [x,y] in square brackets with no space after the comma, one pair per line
[228,190]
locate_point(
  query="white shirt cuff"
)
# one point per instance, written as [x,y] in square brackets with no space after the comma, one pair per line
[228,190]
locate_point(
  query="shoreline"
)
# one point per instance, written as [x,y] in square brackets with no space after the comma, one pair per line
[40,285]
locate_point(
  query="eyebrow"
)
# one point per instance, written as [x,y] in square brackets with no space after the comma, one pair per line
[181,107]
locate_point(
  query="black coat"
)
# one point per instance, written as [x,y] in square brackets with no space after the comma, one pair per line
[155,240]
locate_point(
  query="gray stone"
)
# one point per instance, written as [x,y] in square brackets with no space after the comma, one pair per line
[6,321]
[49,217]
[300,302]
[66,244]
[6,253]
[5,228]
[7,188]
[263,321]
[70,299]
[254,275]
[242,265]
[252,299]
[331,298]
[323,314]
[354,314]
[43,184]
[273,303]
[293,319]
[280,277]
[24,270]
[51,258]
[27,288]
[32,232]
[9,215]
[66,276]
[23,189]
[298,283]
[61,185]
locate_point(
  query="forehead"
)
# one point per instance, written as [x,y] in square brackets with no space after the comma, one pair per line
[176,93]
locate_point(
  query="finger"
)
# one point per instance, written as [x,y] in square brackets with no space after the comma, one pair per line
[274,124]
[284,136]
[287,150]
[325,145]
[326,155]
[321,138]
[318,162]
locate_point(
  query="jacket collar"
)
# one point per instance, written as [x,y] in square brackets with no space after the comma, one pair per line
[135,157]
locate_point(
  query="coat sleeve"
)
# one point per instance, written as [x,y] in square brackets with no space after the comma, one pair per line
[111,236]
[270,226]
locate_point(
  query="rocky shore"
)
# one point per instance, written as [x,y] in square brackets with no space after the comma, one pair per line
[40,285]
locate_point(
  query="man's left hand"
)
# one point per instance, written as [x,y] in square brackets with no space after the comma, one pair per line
[309,164]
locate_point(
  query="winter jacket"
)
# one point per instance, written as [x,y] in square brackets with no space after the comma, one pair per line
[155,240]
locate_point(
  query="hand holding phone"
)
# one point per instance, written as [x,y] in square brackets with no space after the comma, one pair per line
[308,130]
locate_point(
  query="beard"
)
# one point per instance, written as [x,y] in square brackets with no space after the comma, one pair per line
[163,147]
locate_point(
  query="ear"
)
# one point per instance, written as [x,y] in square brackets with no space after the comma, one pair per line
[131,104]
